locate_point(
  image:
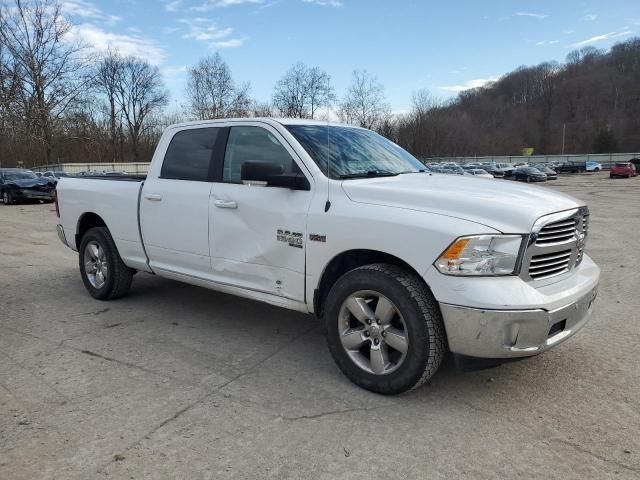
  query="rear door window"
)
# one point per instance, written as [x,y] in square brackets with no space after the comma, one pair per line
[189,154]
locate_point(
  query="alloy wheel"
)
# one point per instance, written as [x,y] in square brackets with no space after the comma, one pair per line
[373,332]
[95,264]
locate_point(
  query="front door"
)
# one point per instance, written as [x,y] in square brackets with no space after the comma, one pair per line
[258,232]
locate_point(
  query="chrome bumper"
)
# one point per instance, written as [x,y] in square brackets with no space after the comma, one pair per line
[61,235]
[513,333]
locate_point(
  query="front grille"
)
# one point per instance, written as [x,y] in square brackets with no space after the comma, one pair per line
[556,244]
[549,264]
[557,232]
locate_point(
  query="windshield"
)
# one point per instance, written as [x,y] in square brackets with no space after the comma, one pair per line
[353,152]
[19,175]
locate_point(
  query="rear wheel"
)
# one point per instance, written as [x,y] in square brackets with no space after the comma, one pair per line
[384,329]
[103,272]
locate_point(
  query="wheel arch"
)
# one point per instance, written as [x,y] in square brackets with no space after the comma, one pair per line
[87,221]
[346,261]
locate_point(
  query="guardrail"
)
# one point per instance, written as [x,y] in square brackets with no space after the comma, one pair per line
[132,168]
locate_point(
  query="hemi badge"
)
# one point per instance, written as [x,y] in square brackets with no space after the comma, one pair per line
[314,237]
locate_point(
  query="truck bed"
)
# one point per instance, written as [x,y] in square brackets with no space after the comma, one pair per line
[116,201]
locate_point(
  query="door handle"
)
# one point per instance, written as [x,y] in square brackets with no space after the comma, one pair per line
[156,197]
[225,204]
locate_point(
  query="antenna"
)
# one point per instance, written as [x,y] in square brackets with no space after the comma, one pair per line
[327,205]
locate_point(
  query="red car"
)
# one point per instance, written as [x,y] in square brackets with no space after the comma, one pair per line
[623,169]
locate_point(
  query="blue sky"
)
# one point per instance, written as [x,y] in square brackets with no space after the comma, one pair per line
[408,45]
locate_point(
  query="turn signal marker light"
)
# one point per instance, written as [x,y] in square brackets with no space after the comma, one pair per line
[454,251]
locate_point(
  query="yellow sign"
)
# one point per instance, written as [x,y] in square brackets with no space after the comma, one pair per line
[527,151]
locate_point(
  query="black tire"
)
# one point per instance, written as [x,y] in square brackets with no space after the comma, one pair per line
[119,277]
[7,198]
[421,317]
[610,176]
[596,169]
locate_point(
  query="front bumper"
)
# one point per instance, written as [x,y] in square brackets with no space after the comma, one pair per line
[535,320]
[27,194]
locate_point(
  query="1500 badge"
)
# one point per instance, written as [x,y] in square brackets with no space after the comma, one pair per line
[294,239]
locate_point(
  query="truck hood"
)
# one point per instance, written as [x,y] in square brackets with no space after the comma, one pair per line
[506,206]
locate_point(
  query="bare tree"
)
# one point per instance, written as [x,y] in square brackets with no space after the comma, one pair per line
[212,92]
[364,104]
[140,93]
[50,67]
[107,79]
[302,91]
[262,109]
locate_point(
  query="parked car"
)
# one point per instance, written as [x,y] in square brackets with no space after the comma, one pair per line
[507,168]
[636,163]
[570,167]
[259,211]
[493,169]
[18,184]
[479,172]
[623,169]
[551,173]
[529,174]
[55,175]
[593,166]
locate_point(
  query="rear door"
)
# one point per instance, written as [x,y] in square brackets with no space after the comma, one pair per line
[174,205]
[258,232]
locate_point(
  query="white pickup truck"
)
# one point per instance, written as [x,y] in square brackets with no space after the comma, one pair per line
[400,264]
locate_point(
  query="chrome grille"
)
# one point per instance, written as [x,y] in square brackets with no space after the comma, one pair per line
[556,244]
[549,264]
[557,232]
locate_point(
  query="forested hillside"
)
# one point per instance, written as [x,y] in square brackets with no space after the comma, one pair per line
[594,95]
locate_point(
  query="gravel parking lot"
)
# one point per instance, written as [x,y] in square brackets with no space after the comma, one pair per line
[175,381]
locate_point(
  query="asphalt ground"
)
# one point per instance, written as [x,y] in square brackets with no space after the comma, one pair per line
[176,381]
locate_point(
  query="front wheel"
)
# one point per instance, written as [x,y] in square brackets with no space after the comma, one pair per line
[384,329]
[7,198]
[103,272]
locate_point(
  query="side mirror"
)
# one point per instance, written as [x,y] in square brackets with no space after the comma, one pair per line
[272,175]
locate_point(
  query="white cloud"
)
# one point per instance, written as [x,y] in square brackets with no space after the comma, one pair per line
[87,10]
[101,40]
[172,6]
[545,43]
[600,38]
[589,17]
[174,74]
[211,4]
[326,3]
[204,30]
[539,16]
[476,83]
[231,43]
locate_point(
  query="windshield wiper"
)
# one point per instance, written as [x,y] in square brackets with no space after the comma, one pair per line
[369,173]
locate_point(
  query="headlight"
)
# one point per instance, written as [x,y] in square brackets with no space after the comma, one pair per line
[481,255]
